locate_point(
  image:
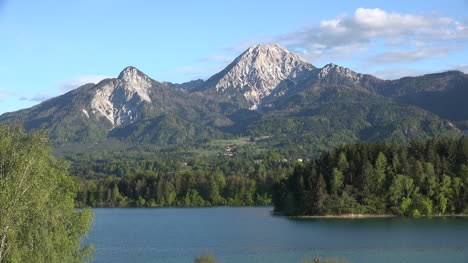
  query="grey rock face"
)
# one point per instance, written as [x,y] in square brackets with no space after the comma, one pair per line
[259,70]
[118,99]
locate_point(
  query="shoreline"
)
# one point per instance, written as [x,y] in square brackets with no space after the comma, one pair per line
[354,216]
[343,216]
[272,212]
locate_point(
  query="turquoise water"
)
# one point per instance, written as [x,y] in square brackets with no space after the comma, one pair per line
[252,234]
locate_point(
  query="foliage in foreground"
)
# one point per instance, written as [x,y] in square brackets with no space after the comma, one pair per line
[424,178]
[38,221]
[205,258]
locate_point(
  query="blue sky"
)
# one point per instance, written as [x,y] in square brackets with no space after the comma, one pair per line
[51,46]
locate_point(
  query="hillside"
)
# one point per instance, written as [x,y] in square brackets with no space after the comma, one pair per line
[268,93]
[441,93]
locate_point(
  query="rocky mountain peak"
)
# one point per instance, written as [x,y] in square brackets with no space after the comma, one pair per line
[118,100]
[271,59]
[267,49]
[131,73]
[259,70]
[132,81]
[331,69]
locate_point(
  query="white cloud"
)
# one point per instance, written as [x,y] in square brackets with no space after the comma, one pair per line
[397,73]
[73,83]
[410,55]
[368,38]
[368,28]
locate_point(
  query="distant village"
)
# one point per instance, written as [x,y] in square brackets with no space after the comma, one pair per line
[229,151]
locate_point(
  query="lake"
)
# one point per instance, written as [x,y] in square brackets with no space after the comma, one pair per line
[252,234]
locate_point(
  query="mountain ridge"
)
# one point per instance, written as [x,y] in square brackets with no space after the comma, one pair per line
[266,91]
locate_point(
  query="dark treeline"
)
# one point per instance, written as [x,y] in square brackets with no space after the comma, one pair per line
[245,179]
[422,178]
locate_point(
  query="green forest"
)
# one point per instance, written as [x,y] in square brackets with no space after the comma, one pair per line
[38,218]
[418,178]
[421,178]
[245,179]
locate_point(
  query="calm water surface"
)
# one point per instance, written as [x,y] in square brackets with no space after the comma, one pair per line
[252,234]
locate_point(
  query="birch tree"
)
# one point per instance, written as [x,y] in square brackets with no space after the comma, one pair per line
[38,220]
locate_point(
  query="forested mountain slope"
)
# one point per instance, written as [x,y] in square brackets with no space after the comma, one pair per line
[267,92]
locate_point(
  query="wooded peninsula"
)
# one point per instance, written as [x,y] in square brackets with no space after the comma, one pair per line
[422,178]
